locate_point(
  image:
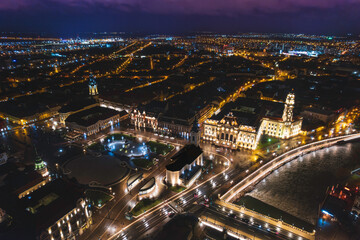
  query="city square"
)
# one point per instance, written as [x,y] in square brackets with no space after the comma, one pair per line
[126,120]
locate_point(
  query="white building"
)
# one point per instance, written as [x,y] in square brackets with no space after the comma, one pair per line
[186,164]
[229,132]
[287,126]
[242,126]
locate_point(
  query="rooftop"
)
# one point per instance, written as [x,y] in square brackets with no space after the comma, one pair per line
[18,178]
[77,105]
[42,208]
[27,106]
[149,184]
[184,157]
[243,111]
[91,116]
[319,111]
[249,111]
[133,178]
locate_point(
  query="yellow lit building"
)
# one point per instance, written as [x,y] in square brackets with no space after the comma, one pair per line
[229,132]
[186,164]
[287,126]
[241,124]
[93,90]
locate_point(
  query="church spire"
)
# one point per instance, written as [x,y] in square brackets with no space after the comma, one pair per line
[40,165]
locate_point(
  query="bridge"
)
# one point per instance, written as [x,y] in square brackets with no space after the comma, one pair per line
[277,162]
[255,177]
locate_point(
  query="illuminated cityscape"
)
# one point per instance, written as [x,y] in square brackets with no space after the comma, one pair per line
[180,120]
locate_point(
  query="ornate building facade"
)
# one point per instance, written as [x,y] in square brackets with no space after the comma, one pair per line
[229,132]
[287,126]
[242,127]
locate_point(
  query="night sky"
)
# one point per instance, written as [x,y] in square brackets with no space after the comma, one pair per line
[181,16]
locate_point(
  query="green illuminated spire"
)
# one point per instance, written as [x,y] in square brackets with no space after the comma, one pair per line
[39,163]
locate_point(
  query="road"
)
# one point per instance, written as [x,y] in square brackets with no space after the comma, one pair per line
[254,228]
[267,168]
[113,223]
[183,200]
[114,213]
[153,218]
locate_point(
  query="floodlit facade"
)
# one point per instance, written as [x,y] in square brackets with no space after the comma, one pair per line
[93,90]
[229,133]
[143,120]
[287,126]
[243,130]
[187,164]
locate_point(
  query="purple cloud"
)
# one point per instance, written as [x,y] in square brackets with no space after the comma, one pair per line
[204,7]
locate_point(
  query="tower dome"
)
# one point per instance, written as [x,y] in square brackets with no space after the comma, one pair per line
[40,165]
[93,91]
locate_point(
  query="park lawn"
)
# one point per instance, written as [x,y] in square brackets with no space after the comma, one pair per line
[97,147]
[353,181]
[98,198]
[177,189]
[119,136]
[266,141]
[160,148]
[144,205]
[143,162]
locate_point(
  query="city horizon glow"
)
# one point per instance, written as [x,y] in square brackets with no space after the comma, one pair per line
[179,119]
[69,16]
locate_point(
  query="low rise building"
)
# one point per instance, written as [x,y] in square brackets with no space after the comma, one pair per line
[93,120]
[112,103]
[40,207]
[186,164]
[75,107]
[55,211]
[30,115]
[318,114]
[20,180]
[30,109]
[183,165]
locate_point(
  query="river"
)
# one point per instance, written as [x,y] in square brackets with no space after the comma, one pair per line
[299,186]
